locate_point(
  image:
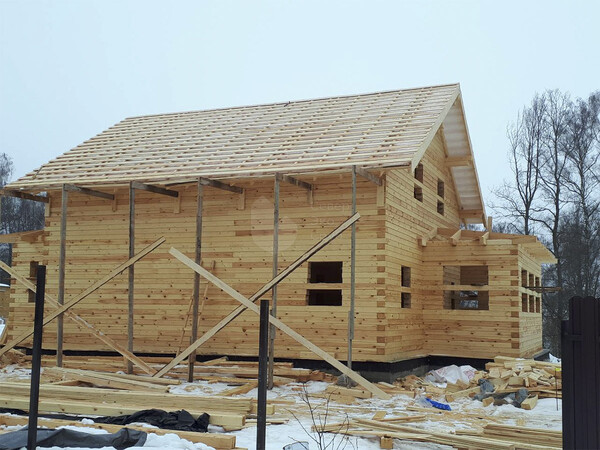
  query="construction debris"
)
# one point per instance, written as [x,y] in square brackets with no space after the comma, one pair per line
[105,390]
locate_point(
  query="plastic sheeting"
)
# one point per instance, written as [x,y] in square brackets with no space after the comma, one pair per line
[64,437]
[175,420]
[451,374]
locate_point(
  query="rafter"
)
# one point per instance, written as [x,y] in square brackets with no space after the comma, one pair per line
[24,195]
[154,189]
[368,175]
[221,185]
[86,191]
[459,161]
[294,181]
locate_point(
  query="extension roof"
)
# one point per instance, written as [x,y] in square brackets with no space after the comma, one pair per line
[374,131]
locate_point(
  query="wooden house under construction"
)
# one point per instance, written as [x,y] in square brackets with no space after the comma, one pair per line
[245,191]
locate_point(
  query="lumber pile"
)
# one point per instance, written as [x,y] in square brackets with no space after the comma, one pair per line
[216,440]
[490,436]
[541,377]
[507,376]
[209,370]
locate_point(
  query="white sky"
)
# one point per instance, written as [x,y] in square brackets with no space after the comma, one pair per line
[70,69]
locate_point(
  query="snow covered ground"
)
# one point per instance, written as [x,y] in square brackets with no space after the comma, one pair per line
[290,406]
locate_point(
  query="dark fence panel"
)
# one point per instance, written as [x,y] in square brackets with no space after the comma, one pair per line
[581,374]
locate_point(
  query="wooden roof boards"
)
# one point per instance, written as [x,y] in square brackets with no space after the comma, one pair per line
[373,131]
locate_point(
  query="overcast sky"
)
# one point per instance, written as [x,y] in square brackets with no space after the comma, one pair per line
[70,69]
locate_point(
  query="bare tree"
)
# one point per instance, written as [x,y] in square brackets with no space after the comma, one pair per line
[526,138]
[555,190]
[16,214]
[583,184]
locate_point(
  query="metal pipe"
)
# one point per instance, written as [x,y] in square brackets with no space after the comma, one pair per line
[36,358]
[263,349]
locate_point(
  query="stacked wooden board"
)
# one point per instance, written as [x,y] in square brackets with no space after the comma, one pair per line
[489,437]
[507,375]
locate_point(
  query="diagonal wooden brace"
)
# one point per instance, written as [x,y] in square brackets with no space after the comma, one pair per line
[262,291]
[94,287]
[282,326]
[85,325]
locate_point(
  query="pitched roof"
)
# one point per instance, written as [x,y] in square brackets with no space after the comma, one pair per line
[379,130]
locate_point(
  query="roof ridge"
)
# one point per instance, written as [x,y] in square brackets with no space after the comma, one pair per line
[256,105]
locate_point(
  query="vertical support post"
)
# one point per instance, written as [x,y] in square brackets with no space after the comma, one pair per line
[352,272]
[36,358]
[61,275]
[196,295]
[131,272]
[272,329]
[263,350]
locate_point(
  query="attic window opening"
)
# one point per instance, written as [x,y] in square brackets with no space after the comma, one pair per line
[33,271]
[419,172]
[419,193]
[440,188]
[405,276]
[405,299]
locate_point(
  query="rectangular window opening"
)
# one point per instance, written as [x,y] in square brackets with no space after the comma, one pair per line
[405,296]
[466,276]
[531,280]
[405,276]
[33,270]
[531,303]
[324,297]
[440,188]
[325,272]
[524,303]
[523,278]
[440,207]
[419,193]
[419,172]
[537,281]
[538,304]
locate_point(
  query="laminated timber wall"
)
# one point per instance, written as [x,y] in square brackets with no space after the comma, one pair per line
[407,220]
[530,317]
[501,330]
[240,244]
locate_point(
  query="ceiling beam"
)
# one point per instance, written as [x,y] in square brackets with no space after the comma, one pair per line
[24,195]
[154,189]
[368,175]
[86,191]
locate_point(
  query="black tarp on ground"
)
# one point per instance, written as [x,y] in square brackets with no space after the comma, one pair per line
[122,439]
[175,420]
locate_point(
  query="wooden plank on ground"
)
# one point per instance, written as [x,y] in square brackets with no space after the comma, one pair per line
[216,440]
